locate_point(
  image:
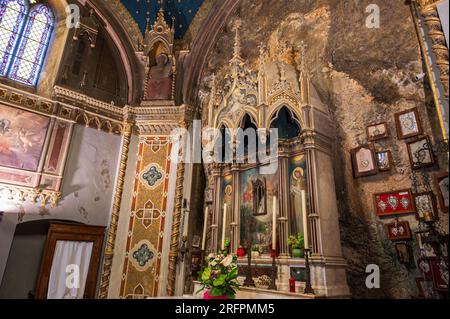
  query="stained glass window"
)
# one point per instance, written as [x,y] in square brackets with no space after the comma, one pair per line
[12,18]
[33,45]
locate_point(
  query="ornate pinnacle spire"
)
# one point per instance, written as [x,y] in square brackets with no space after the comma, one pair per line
[263,55]
[147,26]
[213,82]
[302,48]
[237,43]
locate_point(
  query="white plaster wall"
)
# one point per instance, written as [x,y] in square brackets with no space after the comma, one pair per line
[87,188]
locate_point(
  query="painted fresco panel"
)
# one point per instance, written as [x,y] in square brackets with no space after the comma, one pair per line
[226,191]
[297,184]
[22,137]
[142,266]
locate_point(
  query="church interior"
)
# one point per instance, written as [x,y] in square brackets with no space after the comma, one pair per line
[207,149]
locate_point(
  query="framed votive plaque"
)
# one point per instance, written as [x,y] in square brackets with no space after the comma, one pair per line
[420,153]
[426,208]
[408,124]
[363,161]
[377,131]
[384,160]
[394,203]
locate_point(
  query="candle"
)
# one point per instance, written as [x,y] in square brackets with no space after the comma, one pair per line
[274,224]
[305,219]
[224,224]
[205,226]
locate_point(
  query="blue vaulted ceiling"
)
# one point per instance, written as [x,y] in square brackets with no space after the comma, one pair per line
[183,10]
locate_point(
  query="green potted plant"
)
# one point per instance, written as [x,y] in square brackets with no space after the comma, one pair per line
[255,251]
[297,244]
[219,279]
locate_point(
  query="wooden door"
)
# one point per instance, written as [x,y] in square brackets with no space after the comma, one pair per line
[76,233]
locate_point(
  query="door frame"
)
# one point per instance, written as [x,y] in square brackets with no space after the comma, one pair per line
[71,232]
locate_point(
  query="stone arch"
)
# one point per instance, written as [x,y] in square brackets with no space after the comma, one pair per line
[295,114]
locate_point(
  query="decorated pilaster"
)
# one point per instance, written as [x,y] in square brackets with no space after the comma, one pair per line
[429,12]
[112,230]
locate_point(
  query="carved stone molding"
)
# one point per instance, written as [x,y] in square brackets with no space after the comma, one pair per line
[34,195]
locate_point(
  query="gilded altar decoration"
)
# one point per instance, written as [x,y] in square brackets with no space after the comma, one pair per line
[394,203]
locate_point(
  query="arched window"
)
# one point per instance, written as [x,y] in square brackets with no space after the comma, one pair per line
[12,18]
[250,141]
[28,43]
[286,124]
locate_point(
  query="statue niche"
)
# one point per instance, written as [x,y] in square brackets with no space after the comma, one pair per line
[159,77]
[259,197]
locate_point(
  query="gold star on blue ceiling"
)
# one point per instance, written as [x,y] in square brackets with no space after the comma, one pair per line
[184,12]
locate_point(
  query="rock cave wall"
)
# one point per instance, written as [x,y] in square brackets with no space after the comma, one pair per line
[364,76]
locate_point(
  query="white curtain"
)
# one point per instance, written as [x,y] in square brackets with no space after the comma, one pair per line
[70,267]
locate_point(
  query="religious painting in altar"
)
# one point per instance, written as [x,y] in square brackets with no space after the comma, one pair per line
[257,193]
[298,189]
[22,137]
[159,79]
[224,223]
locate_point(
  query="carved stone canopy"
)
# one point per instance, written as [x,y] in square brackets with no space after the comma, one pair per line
[160,31]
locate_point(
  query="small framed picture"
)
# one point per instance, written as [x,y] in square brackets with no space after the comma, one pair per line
[426,289]
[377,131]
[398,231]
[196,241]
[425,249]
[426,208]
[408,124]
[420,153]
[424,266]
[384,160]
[394,203]
[439,270]
[404,253]
[441,184]
[363,161]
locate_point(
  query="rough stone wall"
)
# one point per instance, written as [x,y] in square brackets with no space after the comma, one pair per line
[364,76]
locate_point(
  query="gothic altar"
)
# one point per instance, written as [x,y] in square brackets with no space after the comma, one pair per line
[298,196]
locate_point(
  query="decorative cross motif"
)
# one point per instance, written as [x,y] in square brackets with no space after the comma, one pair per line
[148,214]
[152,176]
[143,255]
